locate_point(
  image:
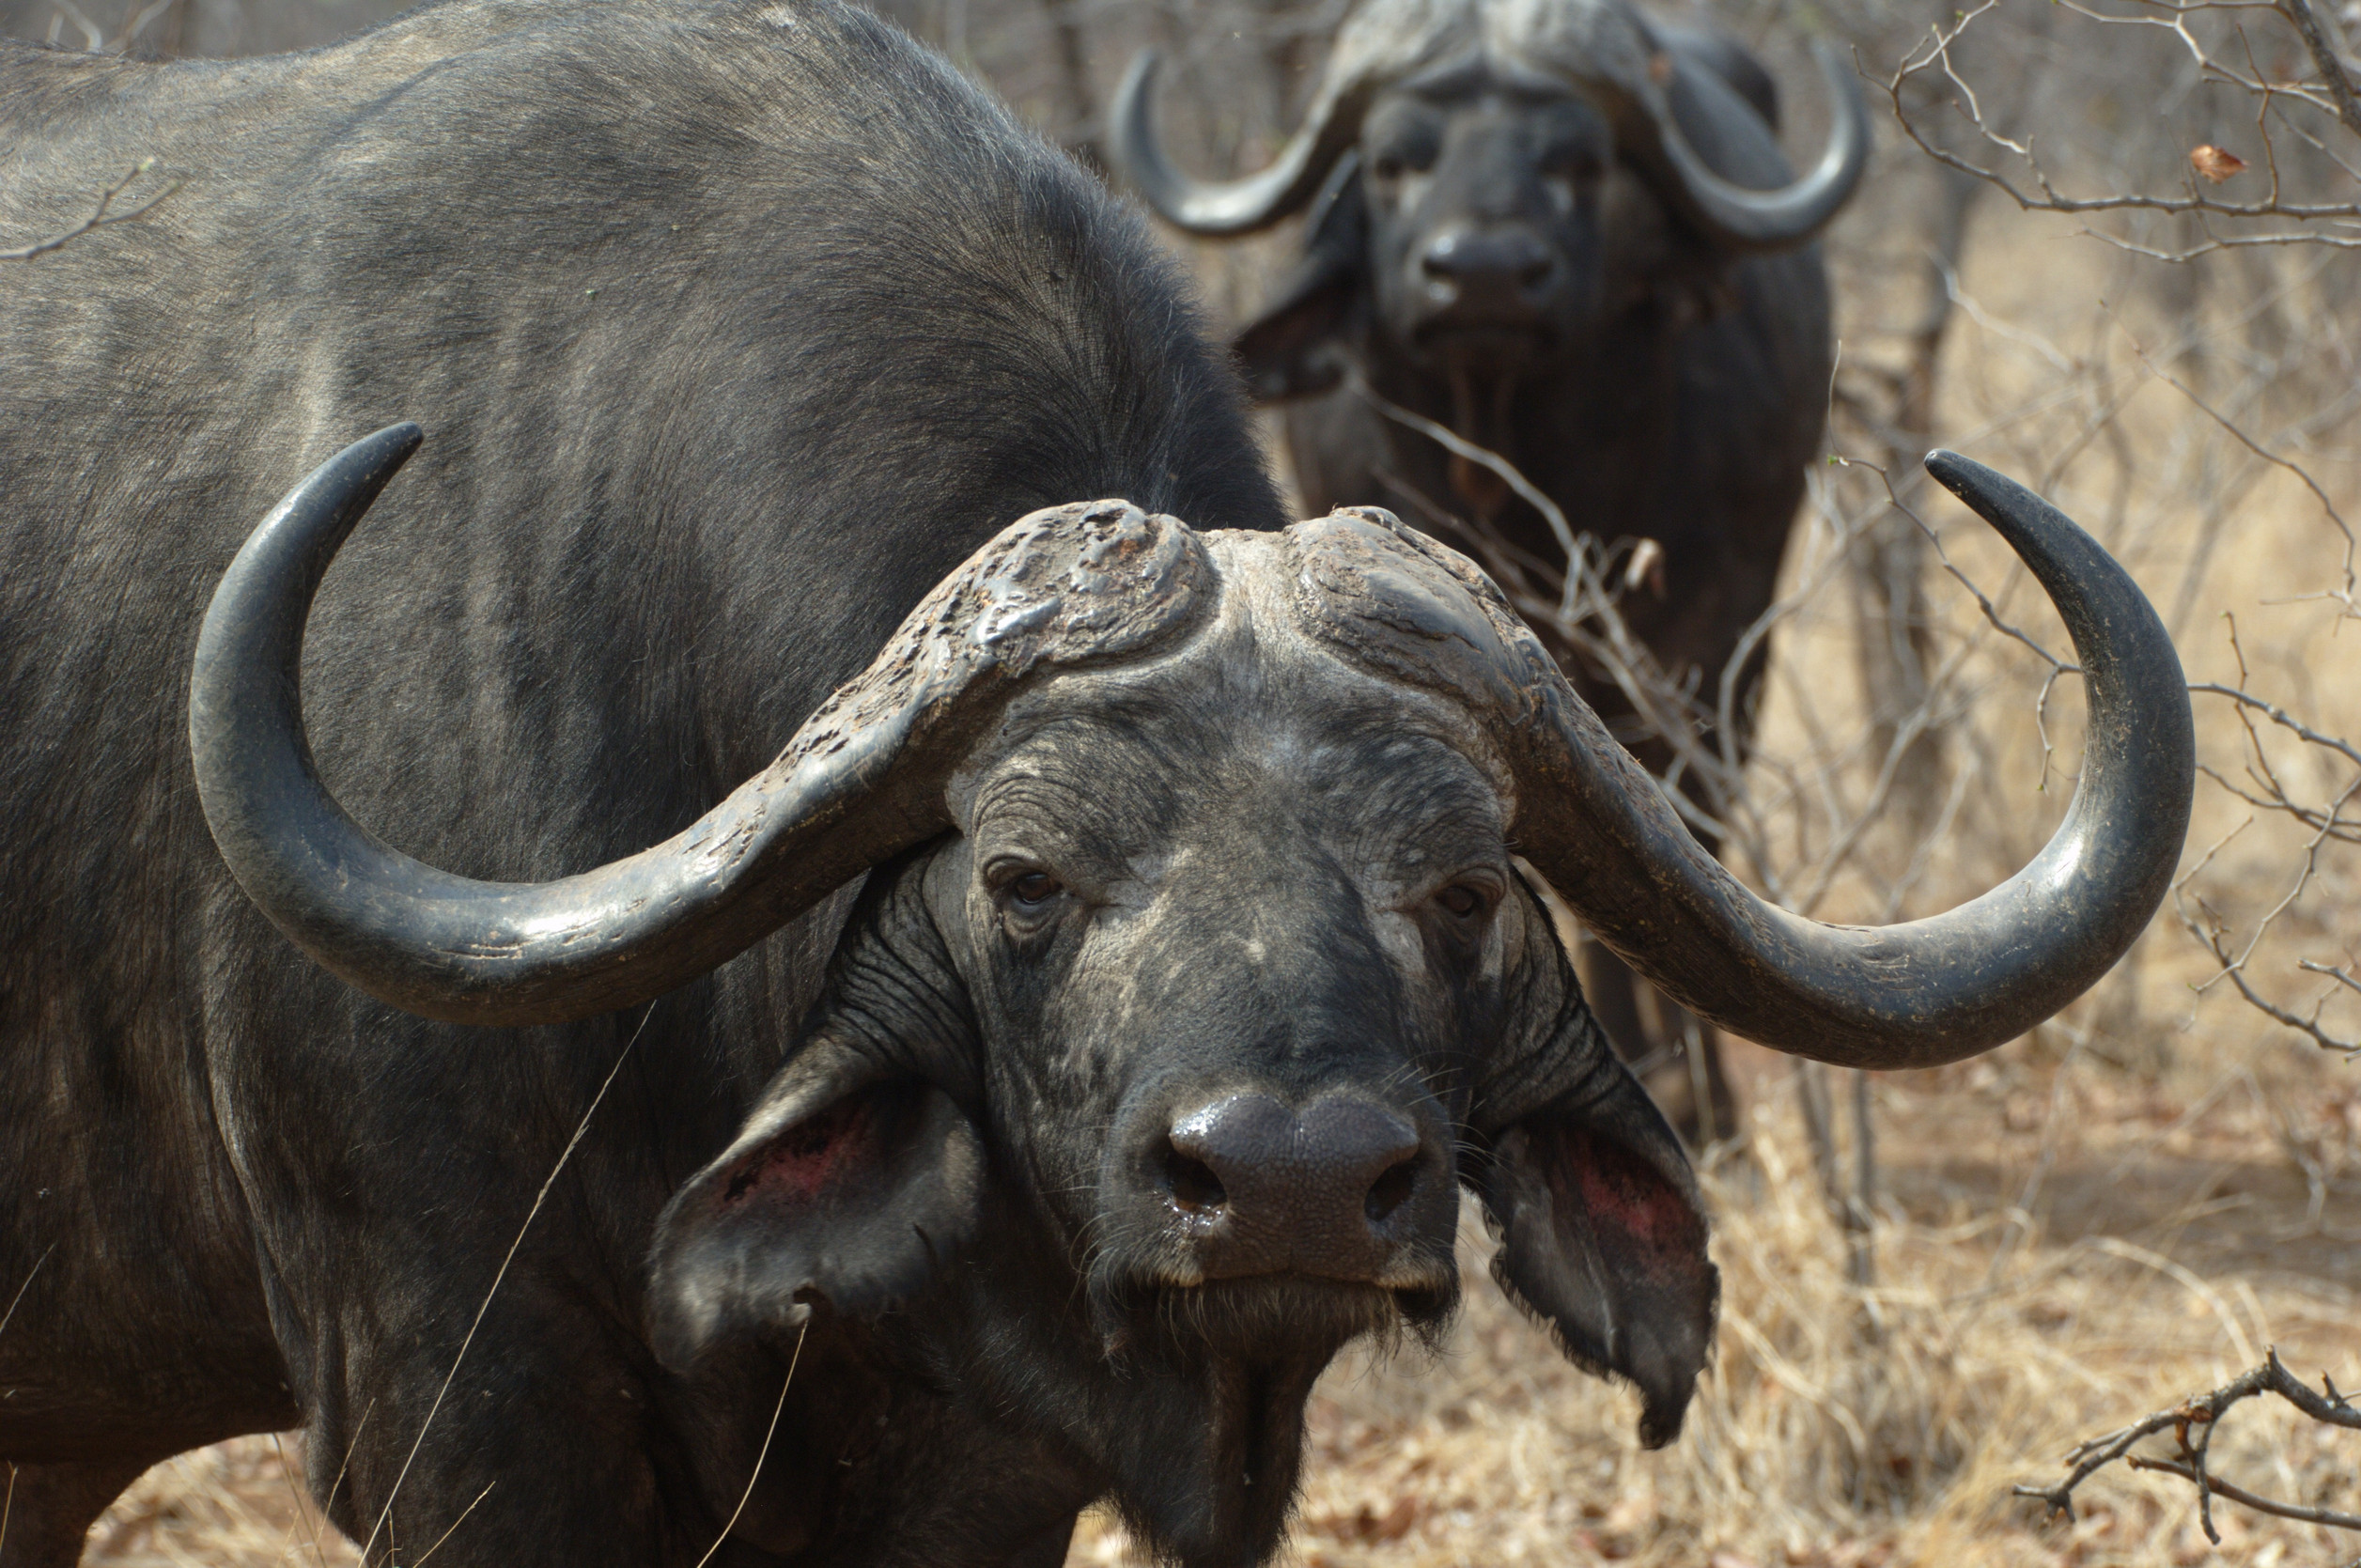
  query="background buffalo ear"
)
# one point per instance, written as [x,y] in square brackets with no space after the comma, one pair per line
[1294,348]
[854,1197]
[1603,1237]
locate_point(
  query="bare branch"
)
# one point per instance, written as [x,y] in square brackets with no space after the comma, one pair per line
[100,216]
[2237,1493]
[2202,1416]
[2332,70]
[2275,219]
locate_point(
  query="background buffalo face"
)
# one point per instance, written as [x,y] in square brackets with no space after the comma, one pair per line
[1168,1066]
[1483,186]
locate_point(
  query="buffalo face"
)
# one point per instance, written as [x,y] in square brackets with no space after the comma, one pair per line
[1483,187]
[1231,980]
[1262,959]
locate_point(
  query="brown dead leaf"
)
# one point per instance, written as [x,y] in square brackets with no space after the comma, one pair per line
[1366,1524]
[2215,163]
[1393,1525]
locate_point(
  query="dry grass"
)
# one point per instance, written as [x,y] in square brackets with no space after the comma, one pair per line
[238,1504]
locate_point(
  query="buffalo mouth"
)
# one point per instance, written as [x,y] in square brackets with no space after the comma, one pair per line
[1312,1317]
[1486,348]
[1231,1364]
[1484,368]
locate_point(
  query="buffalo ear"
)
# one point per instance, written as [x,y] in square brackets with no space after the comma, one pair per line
[1603,1236]
[849,1195]
[1295,349]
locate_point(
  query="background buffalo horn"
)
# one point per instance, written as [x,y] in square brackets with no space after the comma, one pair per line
[862,780]
[1740,220]
[1930,991]
[1239,207]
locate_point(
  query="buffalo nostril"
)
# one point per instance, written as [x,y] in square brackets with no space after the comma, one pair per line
[1194,1188]
[1390,1191]
[1501,276]
[1258,1187]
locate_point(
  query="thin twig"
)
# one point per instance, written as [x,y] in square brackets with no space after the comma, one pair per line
[18,1296]
[484,1306]
[2238,1494]
[102,216]
[2203,1414]
[764,1452]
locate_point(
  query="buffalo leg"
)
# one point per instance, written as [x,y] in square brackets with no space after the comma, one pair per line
[50,1507]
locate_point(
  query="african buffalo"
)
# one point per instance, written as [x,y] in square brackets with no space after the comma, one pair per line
[1565,232]
[1010,1096]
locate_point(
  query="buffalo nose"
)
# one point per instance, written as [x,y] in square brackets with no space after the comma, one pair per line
[1269,1189]
[1497,268]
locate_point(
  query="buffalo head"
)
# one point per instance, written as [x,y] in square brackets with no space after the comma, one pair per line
[1194,973]
[1493,179]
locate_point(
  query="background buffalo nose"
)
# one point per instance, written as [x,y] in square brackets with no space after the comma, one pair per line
[1501,268]
[1270,1189]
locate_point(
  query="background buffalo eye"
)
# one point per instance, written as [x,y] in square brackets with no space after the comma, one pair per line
[1034,889]
[1460,903]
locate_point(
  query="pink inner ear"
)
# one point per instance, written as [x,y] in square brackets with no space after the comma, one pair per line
[1622,1192]
[806,1158]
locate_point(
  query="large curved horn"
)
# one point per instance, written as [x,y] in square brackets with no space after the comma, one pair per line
[1916,995]
[862,780]
[1745,220]
[1218,210]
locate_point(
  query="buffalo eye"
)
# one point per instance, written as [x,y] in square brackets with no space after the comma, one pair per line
[1390,167]
[1402,148]
[1034,889]
[1461,902]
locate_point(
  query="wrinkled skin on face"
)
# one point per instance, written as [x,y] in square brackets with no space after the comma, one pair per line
[1147,1091]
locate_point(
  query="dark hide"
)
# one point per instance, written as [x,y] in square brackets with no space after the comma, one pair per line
[733,329]
[1673,394]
